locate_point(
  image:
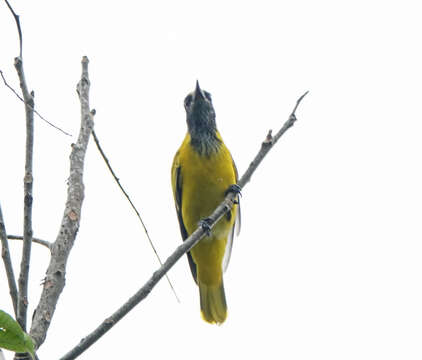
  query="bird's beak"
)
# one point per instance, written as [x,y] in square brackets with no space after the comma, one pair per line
[199,94]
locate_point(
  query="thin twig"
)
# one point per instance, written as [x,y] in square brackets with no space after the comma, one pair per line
[182,249]
[60,250]
[11,89]
[117,180]
[22,298]
[16,17]
[5,253]
[45,243]
[28,181]
[35,111]
[268,143]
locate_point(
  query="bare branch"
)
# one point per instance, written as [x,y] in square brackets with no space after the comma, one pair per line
[116,179]
[18,25]
[16,17]
[11,89]
[182,249]
[28,181]
[268,143]
[35,111]
[5,254]
[55,276]
[45,243]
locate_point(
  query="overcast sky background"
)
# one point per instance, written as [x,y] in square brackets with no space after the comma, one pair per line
[328,262]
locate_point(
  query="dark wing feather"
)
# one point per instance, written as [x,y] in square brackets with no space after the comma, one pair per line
[178,199]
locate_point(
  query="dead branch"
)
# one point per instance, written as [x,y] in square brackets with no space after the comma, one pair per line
[28,182]
[60,250]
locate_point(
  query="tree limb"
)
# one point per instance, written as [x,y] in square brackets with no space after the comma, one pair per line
[45,243]
[5,254]
[182,249]
[55,276]
[28,181]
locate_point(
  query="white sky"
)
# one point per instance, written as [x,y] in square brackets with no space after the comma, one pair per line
[328,263]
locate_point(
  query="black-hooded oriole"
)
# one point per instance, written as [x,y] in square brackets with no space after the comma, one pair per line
[203,170]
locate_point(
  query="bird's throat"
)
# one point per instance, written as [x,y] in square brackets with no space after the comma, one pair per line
[205,142]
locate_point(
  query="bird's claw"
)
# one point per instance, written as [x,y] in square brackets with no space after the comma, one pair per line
[235,189]
[205,224]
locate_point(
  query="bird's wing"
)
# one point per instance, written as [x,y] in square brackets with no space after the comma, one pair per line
[235,229]
[176,182]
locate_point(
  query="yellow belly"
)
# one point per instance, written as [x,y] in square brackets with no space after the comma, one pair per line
[205,180]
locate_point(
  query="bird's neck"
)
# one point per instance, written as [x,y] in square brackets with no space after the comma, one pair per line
[205,141]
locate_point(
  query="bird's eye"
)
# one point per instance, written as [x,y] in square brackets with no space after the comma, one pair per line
[188,101]
[207,95]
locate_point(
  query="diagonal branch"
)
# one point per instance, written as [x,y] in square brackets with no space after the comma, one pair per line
[5,254]
[268,143]
[182,249]
[35,111]
[55,276]
[116,179]
[10,88]
[28,181]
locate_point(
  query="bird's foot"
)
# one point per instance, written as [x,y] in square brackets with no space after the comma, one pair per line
[206,225]
[236,189]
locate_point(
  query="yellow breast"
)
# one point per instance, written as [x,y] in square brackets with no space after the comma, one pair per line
[205,180]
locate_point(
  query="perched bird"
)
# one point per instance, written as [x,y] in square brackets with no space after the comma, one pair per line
[202,173]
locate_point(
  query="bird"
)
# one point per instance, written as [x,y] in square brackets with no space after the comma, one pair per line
[202,173]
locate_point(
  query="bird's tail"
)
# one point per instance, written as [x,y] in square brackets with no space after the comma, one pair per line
[213,302]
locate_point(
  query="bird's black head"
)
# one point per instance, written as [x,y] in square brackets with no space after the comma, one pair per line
[200,117]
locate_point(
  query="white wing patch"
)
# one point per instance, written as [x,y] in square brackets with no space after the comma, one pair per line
[235,229]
